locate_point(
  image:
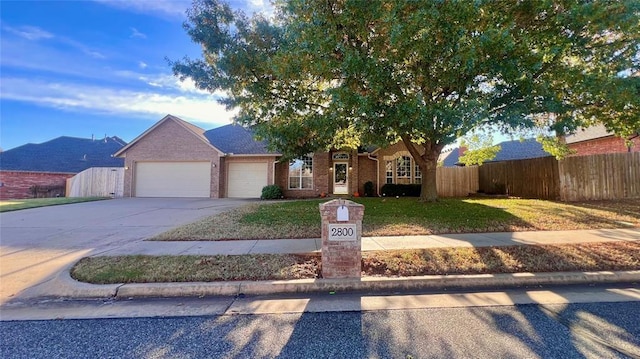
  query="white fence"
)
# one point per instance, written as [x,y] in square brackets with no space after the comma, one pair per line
[97,182]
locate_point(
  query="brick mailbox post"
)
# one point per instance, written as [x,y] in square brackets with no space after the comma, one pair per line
[341,239]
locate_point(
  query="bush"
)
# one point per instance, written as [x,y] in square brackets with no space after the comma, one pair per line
[402,190]
[271,192]
[368,189]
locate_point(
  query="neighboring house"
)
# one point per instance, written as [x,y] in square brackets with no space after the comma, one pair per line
[596,140]
[174,158]
[41,169]
[509,150]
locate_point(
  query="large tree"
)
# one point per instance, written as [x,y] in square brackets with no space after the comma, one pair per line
[345,73]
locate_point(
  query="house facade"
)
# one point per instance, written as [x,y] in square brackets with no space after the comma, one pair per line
[597,140]
[174,158]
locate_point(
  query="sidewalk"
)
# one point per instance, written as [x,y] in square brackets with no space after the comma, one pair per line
[271,246]
[63,286]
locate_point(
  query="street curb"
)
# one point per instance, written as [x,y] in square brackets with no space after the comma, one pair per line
[202,289]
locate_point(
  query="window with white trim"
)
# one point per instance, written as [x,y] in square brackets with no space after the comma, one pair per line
[417,174]
[402,169]
[301,173]
[389,171]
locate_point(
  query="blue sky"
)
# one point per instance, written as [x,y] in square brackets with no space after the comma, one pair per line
[83,68]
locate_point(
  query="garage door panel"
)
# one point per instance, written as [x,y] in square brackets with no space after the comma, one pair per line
[245,180]
[173,179]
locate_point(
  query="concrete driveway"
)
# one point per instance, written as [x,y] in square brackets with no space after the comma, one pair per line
[37,244]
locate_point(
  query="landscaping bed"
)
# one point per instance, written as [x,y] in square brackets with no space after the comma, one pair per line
[608,256]
[408,216]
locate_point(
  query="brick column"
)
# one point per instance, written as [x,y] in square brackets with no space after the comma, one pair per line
[341,239]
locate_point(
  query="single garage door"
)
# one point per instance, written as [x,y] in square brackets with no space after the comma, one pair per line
[173,179]
[245,180]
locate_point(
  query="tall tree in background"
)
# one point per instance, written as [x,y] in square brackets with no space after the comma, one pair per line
[345,73]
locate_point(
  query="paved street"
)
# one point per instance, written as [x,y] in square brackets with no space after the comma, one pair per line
[37,244]
[590,330]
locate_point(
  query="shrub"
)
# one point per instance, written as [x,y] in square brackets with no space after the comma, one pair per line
[368,189]
[402,190]
[271,192]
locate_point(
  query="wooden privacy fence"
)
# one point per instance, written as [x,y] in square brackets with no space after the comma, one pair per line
[97,182]
[606,176]
[457,181]
[532,178]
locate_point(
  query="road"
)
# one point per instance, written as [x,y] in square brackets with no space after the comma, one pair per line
[431,325]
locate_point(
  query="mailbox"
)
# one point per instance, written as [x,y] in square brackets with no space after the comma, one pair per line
[341,238]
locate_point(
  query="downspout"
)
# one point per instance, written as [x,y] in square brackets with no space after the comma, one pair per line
[133,164]
[377,173]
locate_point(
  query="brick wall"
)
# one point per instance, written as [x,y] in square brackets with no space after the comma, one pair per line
[171,142]
[609,144]
[366,172]
[320,178]
[17,184]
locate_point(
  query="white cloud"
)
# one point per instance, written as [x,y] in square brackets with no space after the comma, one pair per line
[95,99]
[142,64]
[135,33]
[29,32]
[163,8]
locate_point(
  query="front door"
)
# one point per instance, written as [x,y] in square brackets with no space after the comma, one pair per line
[340,178]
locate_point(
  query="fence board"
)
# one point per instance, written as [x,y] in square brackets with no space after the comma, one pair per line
[97,182]
[456,181]
[605,176]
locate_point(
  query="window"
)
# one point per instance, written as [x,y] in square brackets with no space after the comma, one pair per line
[301,173]
[403,170]
[389,170]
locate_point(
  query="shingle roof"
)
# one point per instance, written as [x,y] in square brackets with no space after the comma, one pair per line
[237,140]
[520,150]
[510,150]
[63,154]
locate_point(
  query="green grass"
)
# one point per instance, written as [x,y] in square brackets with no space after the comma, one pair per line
[408,216]
[18,204]
[437,261]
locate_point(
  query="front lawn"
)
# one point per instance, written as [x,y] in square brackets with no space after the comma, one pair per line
[436,261]
[407,216]
[18,204]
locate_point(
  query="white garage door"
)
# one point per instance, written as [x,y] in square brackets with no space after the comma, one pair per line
[173,179]
[245,180]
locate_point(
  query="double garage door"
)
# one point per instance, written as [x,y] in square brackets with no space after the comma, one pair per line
[173,179]
[193,179]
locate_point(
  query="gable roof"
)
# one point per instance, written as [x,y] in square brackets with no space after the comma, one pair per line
[63,154]
[509,150]
[195,130]
[237,140]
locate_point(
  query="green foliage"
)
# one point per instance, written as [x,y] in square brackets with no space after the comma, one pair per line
[479,149]
[345,73]
[369,189]
[555,147]
[271,192]
[401,190]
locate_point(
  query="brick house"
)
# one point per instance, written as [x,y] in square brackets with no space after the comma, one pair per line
[596,140]
[174,158]
[41,170]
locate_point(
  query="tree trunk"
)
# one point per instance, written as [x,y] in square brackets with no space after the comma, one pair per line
[426,157]
[429,188]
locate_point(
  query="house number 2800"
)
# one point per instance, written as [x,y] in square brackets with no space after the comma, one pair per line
[342,232]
